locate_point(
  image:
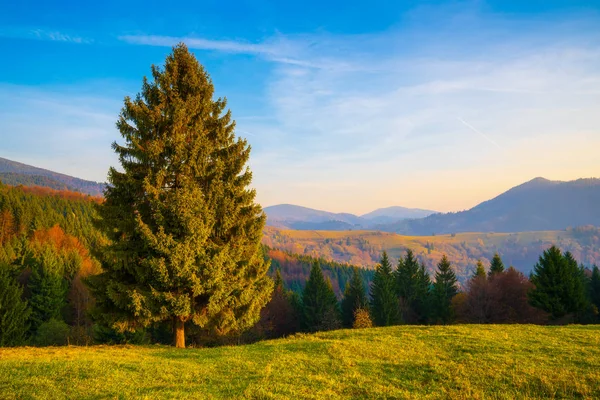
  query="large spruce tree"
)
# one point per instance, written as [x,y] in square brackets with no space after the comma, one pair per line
[354,298]
[385,307]
[445,288]
[320,310]
[184,226]
[559,285]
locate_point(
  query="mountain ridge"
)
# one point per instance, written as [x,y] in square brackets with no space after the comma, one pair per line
[303,218]
[17,172]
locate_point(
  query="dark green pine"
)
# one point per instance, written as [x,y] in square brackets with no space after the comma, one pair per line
[445,288]
[14,312]
[354,298]
[496,265]
[559,286]
[319,304]
[384,302]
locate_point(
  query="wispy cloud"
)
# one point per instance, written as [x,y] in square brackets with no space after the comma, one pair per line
[384,115]
[58,36]
[42,34]
[201,44]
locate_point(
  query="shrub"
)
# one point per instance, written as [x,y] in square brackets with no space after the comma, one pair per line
[362,319]
[52,333]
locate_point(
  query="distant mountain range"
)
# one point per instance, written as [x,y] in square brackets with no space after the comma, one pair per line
[15,173]
[537,205]
[288,216]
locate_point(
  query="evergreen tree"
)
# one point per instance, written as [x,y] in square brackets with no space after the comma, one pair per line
[319,305]
[354,298]
[184,227]
[384,301]
[48,289]
[595,287]
[496,265]
[14,312]
[559,287]
[444,289]
[412,285]
[480,271]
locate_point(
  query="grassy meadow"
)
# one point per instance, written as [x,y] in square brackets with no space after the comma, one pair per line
[461,361]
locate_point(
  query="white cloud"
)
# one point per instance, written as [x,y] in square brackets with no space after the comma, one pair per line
[42,34]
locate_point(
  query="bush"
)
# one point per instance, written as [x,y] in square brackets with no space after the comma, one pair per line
[52,333]
[362,319]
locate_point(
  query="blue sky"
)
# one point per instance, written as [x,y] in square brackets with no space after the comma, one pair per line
[349,106]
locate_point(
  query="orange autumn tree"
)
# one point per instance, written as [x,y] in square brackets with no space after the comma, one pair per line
[61,261]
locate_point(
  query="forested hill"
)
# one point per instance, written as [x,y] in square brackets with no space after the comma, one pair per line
[16,173]
[537,205]
[364,248]
[295,270]
[29,211]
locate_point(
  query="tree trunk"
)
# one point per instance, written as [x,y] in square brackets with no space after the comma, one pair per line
[179,331]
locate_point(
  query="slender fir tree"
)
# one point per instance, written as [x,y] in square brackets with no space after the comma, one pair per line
[444,289]
[320,308]
[480,270]
[185,230]
[14,312]
[384,300]
[496,265]
[559,287]
[354,298]
[595,287]
[48,289]
[412,285]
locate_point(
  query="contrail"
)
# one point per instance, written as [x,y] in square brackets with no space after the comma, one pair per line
[478,131]
[245,132]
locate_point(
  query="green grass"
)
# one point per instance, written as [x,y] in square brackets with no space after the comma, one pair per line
[464,361]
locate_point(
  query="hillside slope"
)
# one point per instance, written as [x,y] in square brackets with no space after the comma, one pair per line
[19,172]
[459,362]
[364,248]
[537,205]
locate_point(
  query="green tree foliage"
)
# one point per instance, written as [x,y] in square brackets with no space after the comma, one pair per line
[412,285]
[480,270]
[595,288]
[14,312]
[295,270]
[385,307]
[48,290]
[53,332]
[445,288]
[559,285]
[496,265]
[320,310]
[184,226]
[354,298]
